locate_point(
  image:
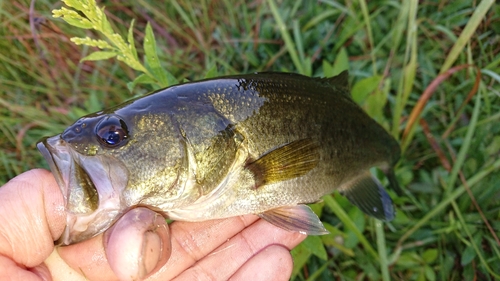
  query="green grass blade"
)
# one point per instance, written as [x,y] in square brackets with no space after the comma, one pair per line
[289,45]
[464,149]
[349,224]
[409,71]
[382,249]
[476,18]
[366,18]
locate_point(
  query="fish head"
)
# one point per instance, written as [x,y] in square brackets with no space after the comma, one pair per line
[102,166]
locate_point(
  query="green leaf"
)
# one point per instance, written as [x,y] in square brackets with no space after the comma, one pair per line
[76,113]
[429,273]
[375,102]
[315,245]
[105,25]
[358,218]
[74,4]
[164,77]
[468,255]
[141,79]
[99,55]
[93,104]
[318,208]
[101,44]
[421,276]
[78,22]
[430,255]
[300,255]
[212,72]
[171,79]
[307,63]
[131,41]
[327,69]
[152,57]
[408,260]
[341,62]
[401,218]
[364,87]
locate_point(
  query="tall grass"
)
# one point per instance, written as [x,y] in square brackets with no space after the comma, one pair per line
[427,71]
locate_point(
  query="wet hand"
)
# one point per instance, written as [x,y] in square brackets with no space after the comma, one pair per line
[139,245]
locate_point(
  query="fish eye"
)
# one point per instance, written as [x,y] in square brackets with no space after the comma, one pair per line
[112,132]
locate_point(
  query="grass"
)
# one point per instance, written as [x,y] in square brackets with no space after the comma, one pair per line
[414,67]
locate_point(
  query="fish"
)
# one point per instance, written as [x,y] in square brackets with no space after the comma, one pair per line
[264,143]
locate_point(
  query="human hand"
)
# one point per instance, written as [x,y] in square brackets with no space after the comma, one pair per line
[32,216]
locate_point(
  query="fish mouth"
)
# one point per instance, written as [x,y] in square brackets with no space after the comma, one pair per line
[91,187]
[56,153]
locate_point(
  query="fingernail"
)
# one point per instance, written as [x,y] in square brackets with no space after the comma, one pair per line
[156,247]
[151,252]
[42,271]
[138,244]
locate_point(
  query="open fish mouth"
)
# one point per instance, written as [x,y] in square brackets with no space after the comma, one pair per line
[59,159]
[91,187]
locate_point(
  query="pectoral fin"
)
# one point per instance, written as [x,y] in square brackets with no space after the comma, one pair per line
[286,162]
[368,194]
[295,218]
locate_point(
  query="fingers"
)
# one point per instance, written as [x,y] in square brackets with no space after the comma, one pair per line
[31,217]
[82,261]
[227,259]
[190,243]
[136,245]
[274,263]
[193,241]
[9,270]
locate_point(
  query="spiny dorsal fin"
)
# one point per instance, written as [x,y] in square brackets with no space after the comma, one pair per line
[368,194]
[285,162]
[339,82]
[295,218]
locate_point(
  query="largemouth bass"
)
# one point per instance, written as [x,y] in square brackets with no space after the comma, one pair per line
[264,144]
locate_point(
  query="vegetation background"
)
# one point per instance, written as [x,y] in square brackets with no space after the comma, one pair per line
[427,70]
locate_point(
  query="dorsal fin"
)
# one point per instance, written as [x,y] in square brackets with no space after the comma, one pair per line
[339,82]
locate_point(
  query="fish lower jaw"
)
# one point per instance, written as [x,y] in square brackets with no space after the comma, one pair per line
[80,227]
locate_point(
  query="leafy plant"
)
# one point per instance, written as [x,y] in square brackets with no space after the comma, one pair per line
[89,16]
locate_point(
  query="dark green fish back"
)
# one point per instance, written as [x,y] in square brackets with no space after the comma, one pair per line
[275,109]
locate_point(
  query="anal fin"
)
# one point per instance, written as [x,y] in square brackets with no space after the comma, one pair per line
[367,193]
[286,162]
[295,218]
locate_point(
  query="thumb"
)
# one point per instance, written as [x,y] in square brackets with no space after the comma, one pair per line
[136,246]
